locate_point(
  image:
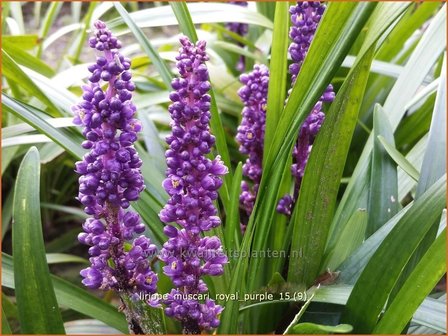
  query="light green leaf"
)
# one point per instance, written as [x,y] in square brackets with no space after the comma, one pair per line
[290,329]
[21,42]
[399,158]
[369,297]
[73,297]
[318,192]
[308,328]
[414,17]
[199,12]
[12,71]
[36,301]
[383,192]
[340,24]
[78,45]
[33,116]
[420,283]
[146,45]
[434,164]
[16,12]
[267,8]
[51,15]
[25,59]
[433,167]
[237,50]
[49,152]
[232,232]
[418,65]
[183,17]
[352,236]
[57,258]
[352,267]
[278,71]
[415,156]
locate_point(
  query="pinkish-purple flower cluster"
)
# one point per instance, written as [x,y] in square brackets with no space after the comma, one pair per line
[250,134]
[240,29]
[305,17]
[192,183]
[110,175]
[236,27]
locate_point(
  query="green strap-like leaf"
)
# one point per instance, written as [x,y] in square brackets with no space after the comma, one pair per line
[267,8]
[12,71]
[290,328]
[146,45]
[420,62]
[352,268]
[420,283]
[6,329]
[340,24]
[434,164]
[50,17]
[57,258]
[399,158]
[339,27]
[24,58]
[183,16]
[232,232]
[433,167]
[32,116]
[21,42]
[314,211]
[36,302]
[81,38]
[278,71]
[73,297]
[308,328]
[383,192]
[200,13]
[352,236]
[379,277]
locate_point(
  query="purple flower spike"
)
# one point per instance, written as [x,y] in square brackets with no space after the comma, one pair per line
[192,182]
[305,17]
[110,175]
[251,131]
